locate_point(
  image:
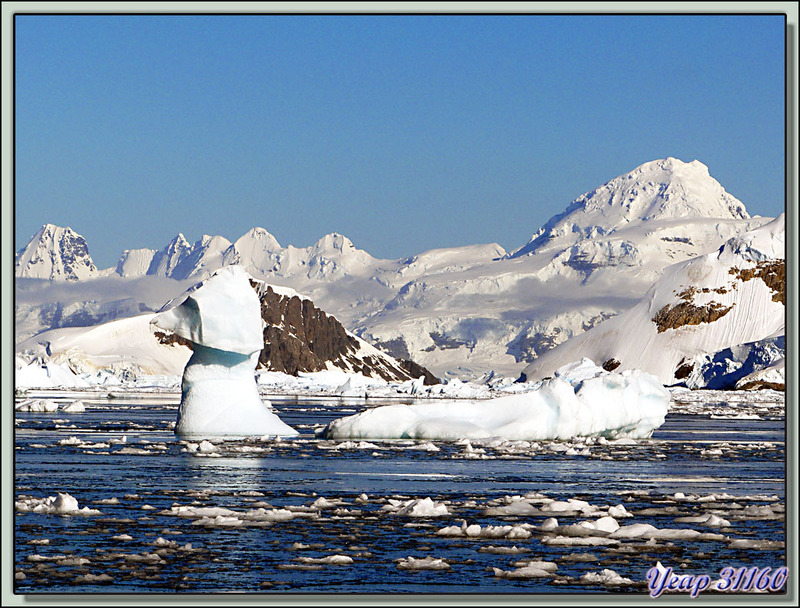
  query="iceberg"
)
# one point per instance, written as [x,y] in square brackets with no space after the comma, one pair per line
[221,317]
[582,399]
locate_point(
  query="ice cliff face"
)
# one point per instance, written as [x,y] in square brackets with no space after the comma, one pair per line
[718,301]
[55,253]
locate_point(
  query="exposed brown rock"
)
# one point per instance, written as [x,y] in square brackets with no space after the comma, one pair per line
[772,272]
[685,313]
[299,337]
[415,370]
[611,365]
[758,385]
[683,370]
[169,339]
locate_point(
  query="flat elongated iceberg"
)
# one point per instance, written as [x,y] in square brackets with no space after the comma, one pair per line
[581,400]
[221,317]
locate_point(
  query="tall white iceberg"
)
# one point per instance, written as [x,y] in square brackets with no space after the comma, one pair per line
[582,400]
[221,317]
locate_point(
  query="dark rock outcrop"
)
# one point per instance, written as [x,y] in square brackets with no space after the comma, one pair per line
[687,313]
[299,337]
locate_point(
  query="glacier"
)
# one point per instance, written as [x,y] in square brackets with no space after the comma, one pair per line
[221,317]
[581,400]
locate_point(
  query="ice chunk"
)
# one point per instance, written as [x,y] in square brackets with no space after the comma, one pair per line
[221,317]
[427,563]
[424,507]
[584,400]
[37,405]
[76,406]
[61,504]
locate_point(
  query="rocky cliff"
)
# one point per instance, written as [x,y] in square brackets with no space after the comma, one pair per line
[299,337]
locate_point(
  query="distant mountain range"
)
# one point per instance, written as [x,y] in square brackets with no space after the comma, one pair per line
[458,311]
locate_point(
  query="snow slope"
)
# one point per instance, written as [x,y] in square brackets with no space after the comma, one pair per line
[719,300]
[123,346]
[660,190]
[296,336]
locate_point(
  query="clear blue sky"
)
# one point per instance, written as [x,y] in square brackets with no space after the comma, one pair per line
[404,133]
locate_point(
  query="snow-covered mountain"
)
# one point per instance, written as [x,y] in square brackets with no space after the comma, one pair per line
[585,265]
[55,253]
[659,191]
[731,297]
[466,310]
[298,337]
[257,251]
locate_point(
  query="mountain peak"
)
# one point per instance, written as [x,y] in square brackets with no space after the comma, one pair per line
[333,241]
[663,189]
[261,235]
[55,253]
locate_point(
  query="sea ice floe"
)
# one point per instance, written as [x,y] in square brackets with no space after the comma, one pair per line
[36,405]
[709,519]
[425,563]
[571,505]
[579,541]
[519,531]
[619,511]
[757,544]
[423,507]
[606,577]
[74,407]
[336,560]
[503,550]
[530,571]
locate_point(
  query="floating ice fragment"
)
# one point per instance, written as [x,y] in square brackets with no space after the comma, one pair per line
[549,524]
[426,563]
[206,447]
[62,504]
[338,560]
[76,406]
[424,507]
[710,520]
[608,524]
[532,569]
[619,511]
[606,577]
[37,405]
[71,441]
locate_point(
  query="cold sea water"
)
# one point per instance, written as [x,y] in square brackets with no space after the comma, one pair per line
[310,515]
